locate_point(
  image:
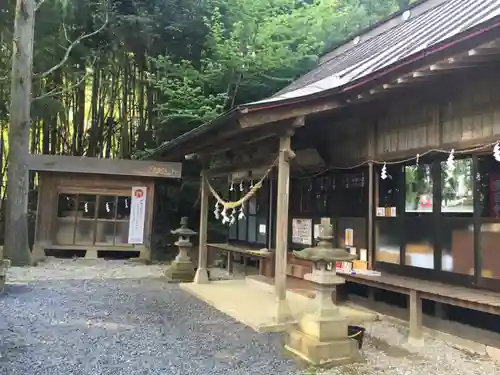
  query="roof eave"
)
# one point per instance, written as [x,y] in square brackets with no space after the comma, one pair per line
[176,143]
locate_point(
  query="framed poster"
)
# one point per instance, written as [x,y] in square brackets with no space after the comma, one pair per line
[302,231]
[137,215]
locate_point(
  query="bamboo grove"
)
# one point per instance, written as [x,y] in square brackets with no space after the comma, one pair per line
[116,78]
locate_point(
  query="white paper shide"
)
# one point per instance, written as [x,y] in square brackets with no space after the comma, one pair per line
[137,215]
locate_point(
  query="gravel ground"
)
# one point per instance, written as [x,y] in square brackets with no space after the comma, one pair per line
[84,269]
[387,353]
[128,327]
[116,317]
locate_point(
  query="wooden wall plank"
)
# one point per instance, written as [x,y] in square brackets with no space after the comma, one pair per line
[54,183]
[466,111]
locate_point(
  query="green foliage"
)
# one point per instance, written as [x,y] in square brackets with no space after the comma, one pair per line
[162,67]
[186,92]
[252,49]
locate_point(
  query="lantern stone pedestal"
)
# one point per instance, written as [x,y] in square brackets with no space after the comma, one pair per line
[4,266]
[182,268]
[321,338]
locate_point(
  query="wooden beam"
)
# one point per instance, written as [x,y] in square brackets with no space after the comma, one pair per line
[420,74]
[464,64]
[266,116]
[482,51]
[115,167]
[252,135]
[263,161]
[194,146]
[245,138]
[493,44]
[462,61]
[299,122]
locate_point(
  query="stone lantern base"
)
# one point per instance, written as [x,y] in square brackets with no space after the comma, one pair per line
[4,266]
[321,338]
[180,273]
[181,270]
[323,342]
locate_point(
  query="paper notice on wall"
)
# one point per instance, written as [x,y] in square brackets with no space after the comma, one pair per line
[381,211]
[349,237]
[316,231]
[262,229]
[495,195]
[302,231]
[393,211]
[137,215]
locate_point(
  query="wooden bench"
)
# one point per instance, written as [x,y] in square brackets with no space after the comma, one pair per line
[416,290]
[245,252]
[297,267]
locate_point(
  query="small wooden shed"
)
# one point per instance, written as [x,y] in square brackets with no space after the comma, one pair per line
[96,204]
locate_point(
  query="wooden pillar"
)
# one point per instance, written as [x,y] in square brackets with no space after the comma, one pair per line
[285,154]
[38,252]
[440,311]
[270,224]
[371,196]
[201,276]
[371,294]
[416,336]
[282,216]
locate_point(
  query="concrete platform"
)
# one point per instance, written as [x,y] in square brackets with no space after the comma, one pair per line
[253,303]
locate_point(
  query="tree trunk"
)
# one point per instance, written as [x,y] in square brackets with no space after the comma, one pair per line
[80,118]
[55,129]
[141,131]
[46,137]
[92,150]
[16,246]
[124,133]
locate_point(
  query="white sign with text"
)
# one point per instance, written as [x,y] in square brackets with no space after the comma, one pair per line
[137,215]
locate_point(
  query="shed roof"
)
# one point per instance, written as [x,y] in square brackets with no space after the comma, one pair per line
[116,167]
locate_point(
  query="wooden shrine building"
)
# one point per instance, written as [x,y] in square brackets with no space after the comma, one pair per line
[365,139]
[96,204]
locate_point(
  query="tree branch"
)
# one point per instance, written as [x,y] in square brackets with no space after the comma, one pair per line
[56,92]
[279,79]
[39,4]
[70,48]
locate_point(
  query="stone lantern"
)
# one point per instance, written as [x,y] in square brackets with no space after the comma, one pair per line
[322,336]
[182,268]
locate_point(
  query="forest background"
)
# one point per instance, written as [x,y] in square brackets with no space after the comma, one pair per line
[117,78]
